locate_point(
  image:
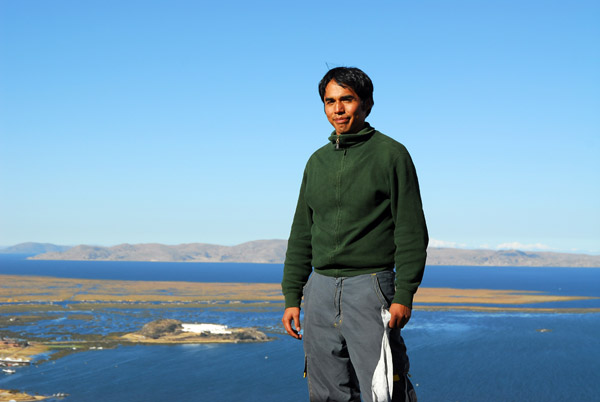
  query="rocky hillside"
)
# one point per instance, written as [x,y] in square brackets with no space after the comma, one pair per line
[158,328]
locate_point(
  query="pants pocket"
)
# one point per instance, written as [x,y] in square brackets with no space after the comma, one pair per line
[383,285]
[306,287]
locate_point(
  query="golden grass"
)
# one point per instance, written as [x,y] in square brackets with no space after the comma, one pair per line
[487,296]
[17,288]
[21,289]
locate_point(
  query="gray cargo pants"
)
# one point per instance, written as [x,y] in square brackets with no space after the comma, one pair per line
[343,335]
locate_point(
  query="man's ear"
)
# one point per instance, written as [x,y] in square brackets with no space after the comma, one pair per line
[367,106]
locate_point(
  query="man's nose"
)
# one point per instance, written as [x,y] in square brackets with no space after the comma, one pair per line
[339,108]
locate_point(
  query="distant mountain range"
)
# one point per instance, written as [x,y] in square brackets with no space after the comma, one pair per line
[273,251]
[259,251]
[510,258]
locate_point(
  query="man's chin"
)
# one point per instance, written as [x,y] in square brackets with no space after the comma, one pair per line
[347,129]
[343,129]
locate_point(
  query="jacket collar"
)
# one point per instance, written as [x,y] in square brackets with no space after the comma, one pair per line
[349,140]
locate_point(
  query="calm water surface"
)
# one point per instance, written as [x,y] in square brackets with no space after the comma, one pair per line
[455,355]
[580,281]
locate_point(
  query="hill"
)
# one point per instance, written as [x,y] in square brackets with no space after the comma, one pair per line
[259,251]
[512,258]
[33,248]
[273,251]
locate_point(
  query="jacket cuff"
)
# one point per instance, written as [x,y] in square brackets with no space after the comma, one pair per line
[403,297]
[292,300]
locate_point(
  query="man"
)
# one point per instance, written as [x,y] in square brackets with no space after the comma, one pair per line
[359,214]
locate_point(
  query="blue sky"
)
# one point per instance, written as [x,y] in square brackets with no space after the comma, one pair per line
[188,121]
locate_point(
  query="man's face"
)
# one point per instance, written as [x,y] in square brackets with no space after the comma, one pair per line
[344,109]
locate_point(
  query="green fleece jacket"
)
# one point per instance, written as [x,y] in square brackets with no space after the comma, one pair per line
[359,211]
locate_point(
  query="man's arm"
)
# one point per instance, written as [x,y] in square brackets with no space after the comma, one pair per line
[297,267]
[410,238]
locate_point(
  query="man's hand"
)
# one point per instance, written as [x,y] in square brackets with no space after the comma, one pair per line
[400,315]
[292,314]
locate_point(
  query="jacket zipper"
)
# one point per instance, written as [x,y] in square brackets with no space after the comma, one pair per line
[339,202]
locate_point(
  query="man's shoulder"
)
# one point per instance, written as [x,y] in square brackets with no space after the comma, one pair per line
[325,148]
[388,144]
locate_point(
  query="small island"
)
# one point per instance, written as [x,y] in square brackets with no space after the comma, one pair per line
[174,331]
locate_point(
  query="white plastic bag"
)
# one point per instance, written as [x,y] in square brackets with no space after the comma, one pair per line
[382,384]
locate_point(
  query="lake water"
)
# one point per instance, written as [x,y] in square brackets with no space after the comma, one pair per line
[455,355]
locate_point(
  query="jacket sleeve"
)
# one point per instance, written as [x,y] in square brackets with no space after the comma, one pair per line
[410,230]
[298,267]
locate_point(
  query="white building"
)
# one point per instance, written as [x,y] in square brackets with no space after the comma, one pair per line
[211,328]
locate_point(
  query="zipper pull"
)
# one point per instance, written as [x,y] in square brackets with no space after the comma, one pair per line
[337,142]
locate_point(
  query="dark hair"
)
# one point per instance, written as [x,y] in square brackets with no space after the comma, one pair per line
[351,77]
